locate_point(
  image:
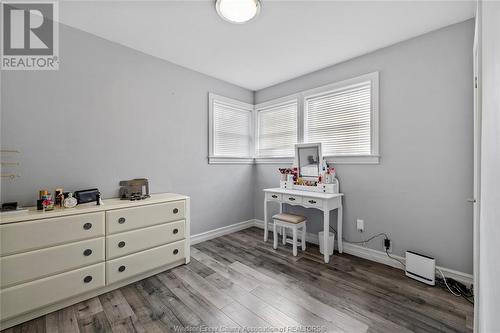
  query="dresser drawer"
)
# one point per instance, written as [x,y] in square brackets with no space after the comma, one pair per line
[313,202]
[273,196]
[141,262]
[27,236]
[139,217]
[23,267]
[292,199]
[124,243]
[32,295]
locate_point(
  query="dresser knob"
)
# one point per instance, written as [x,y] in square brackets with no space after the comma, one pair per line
[121,244]
[121,220]
[176,251]
[175,231]
[87,226]
[87,252]
[121,268]
[176,210]
[291,199]
[312,201]
[274,196]
[87,279]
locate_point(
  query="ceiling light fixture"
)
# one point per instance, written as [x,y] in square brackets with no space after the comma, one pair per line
[237,11]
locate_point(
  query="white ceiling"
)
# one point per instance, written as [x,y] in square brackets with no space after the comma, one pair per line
[288,39]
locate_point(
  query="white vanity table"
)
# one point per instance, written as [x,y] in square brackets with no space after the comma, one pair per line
[325,202]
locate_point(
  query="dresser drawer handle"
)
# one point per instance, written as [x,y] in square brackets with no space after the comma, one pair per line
[176,251]
[87,252]
[175,210]
[87,226]
[274,196]
[291,199]
[312,201]
[175,231]
[87,279]
[121,268]
[121,244]
[121,220]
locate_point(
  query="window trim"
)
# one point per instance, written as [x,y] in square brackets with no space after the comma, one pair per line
[373,157]
[300,97]
[259,108]
[212,158]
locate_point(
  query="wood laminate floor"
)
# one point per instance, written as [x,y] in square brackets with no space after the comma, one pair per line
[238,281]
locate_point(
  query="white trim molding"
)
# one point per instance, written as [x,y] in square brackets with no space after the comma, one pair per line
[211,234]
[381,257]
[300,98]
[235,104]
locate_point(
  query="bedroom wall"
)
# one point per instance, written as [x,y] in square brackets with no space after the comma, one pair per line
[112,113]
[418,193]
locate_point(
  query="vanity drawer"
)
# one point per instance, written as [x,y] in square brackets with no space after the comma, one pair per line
[27,236]
[23,267]
[124,243]
[141,262]
[139,217]
[273,196]
[313,202]
[292,199]
[32,295]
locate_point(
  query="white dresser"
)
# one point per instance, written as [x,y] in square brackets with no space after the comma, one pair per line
[50,260]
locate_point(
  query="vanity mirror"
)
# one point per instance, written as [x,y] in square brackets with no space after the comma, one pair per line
[309,160]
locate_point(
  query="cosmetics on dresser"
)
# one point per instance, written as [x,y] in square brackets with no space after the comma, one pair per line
[70,201]
[58,197]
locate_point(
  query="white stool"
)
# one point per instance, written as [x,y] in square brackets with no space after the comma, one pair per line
[294,222]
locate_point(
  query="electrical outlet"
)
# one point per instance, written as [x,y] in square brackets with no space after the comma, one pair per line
[360,225]
[387,244]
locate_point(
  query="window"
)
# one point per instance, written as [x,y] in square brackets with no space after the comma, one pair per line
[230,130]
[344,118]
[276,129]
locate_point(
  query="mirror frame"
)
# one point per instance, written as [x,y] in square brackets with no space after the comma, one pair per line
[297,159]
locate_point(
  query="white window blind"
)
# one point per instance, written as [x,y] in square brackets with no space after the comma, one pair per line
[232,129]
[277,129]
[340,120]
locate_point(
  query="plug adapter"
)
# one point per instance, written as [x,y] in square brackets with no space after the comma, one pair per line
[387,243]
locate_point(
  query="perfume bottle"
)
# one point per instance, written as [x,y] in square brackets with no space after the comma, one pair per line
[70,201]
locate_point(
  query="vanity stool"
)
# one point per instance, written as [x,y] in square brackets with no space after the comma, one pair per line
[294,222]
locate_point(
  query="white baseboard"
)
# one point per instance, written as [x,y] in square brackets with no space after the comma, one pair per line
[381,257]
[211,234]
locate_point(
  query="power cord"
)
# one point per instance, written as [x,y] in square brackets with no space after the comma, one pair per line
[453,286]
[369,239]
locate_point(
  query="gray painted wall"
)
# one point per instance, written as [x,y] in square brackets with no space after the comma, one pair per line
[112,113]
[417,194]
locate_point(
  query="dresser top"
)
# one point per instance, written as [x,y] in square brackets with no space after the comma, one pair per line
[108,204]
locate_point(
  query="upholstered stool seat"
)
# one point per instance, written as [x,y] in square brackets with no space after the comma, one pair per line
[291,221]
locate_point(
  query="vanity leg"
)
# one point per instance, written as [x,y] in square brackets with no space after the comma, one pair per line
[282,229]
[295,241]
[339,228]
[326,231]
[265,219]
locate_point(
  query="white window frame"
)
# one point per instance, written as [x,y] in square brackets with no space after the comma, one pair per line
[212,158]
[374,156]
[259,108]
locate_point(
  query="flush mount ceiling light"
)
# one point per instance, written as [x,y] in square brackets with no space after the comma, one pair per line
[237,11]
